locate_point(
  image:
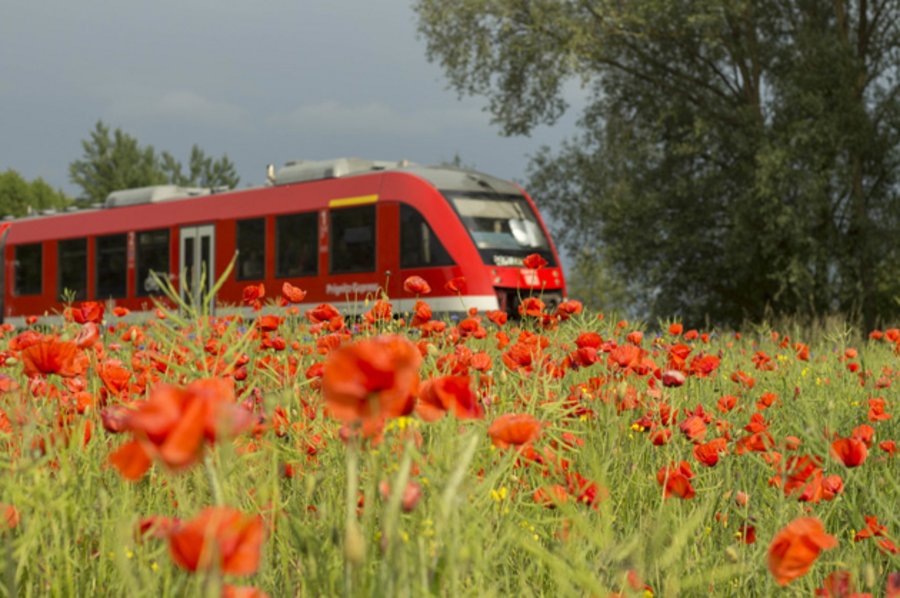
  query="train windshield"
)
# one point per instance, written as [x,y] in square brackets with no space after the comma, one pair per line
[504,223]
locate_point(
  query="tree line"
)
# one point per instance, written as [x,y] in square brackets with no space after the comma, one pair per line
[114,160]
[734,159]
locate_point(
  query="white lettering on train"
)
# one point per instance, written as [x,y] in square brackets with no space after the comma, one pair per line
[351,288]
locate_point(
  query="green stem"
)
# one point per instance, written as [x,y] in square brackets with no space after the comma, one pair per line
[354,548]
[215,488]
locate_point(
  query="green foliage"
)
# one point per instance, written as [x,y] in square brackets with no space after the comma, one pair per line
[735,158]
[114,161]
[18,197]
[203,171]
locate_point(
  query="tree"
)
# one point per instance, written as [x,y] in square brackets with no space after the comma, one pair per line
[458,163]
[18,197]
[203,171]
[735,156]
[117,161]
[113,162]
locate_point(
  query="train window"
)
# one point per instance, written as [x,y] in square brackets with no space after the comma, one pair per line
[501,222]
[152,256]
[72,269]
[29,269]
[353,240]
[112,266]
[251,246]
[296,245]
[419,246]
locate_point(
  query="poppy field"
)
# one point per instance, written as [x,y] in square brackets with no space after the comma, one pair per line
[284,451]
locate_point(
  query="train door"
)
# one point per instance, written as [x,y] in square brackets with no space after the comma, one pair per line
[196,262]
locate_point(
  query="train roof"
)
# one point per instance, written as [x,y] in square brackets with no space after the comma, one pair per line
[294,173]
[458,179]
[441,176]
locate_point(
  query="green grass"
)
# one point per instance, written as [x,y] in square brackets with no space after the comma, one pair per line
[477,530]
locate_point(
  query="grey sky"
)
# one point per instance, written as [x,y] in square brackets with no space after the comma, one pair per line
[261,81]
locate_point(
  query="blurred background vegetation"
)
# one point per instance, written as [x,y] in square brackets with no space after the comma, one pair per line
[736,159]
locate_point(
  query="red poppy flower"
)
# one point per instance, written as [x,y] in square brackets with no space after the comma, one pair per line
[551,496]
[693,427]
[416,285]
[421,314]
[322,313]
[892,587]
[708,452]
[380,312]
[851,451]
[437,396]
[410,497]
[569,308]
[174,422]
[635,337]
[727,403]
[626,356]
[53,356]
[822,487]
[796,547]
[371,378]
[704,365]
[838,584]
[157,526]
[482,362]
[873,528]
[877,410]
[292,294]
[88,335]
[268,322]
[456,285]
[766,400]
[676,329]
[744,379]
[534,261]
[114,375]
[673,378]
[514,429]
[252,293]
[88,311]
[676,480]
[583,357]
[531,306]
[230,591]
[498,317]
[219,537]
[9,517]
[660,437]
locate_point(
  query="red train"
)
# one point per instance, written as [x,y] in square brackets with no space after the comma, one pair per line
[341,230]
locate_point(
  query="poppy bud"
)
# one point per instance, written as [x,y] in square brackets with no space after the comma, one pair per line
[673,378]
[869,576]
[354,544]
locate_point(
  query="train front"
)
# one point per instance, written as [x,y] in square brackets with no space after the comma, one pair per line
[506,228]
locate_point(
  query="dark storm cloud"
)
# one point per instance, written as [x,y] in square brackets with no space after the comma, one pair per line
[262,82]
